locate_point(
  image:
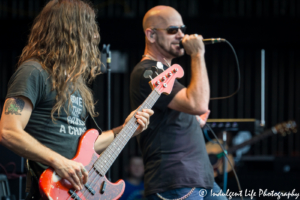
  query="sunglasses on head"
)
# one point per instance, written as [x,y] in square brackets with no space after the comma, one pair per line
[173,29]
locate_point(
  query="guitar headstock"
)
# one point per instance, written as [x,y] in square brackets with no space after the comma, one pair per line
[286,127]
[164,82]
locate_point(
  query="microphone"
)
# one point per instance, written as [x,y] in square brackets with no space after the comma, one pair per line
[207,41]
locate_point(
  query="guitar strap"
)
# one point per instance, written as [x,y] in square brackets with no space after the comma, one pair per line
[30,170]
[99,129]
[32,187]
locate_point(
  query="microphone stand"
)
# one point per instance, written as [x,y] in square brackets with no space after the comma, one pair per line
[224,163]
[108,61]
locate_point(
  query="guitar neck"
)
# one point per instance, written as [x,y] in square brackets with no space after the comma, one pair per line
[107,158]
[251,141]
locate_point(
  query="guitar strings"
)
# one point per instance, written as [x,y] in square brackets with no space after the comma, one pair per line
[95,177]
[152,101]
[85,189]
[90,176]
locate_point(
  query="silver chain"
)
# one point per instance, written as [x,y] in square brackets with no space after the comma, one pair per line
[181,198]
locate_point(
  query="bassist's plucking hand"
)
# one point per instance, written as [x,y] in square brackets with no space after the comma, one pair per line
[71,170]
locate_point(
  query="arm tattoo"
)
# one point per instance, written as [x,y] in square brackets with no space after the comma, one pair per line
[14,106]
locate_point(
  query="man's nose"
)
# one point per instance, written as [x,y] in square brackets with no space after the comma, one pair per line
[180,33]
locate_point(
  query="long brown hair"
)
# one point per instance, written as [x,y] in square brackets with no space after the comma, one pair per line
[64,38]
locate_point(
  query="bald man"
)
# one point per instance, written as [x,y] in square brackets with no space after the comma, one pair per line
[173,148]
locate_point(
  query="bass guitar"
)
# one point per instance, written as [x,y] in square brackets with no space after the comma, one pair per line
[98,186]
[216,154]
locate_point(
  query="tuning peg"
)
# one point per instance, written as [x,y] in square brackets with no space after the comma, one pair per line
[148,74]
[155,70]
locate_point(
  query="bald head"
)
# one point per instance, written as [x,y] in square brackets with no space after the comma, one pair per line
[160,17]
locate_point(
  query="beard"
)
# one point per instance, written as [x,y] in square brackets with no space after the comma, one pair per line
[173,52]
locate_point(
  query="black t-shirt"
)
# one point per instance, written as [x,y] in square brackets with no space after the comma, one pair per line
[173,146]
[32,81]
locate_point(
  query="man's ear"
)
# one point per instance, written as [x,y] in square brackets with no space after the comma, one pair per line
[150,34]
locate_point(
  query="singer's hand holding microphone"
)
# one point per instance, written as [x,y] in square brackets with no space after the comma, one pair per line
[198,38]
[193,45]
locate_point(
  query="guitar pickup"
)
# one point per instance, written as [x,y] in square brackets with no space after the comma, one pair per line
[74,195]
[90,189]
[103,187]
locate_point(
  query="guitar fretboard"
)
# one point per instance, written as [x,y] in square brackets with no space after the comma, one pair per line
[107,158]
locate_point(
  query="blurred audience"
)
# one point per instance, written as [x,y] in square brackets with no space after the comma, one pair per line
[134,189]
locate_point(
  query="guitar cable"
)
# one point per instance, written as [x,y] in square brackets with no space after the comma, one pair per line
[224,151]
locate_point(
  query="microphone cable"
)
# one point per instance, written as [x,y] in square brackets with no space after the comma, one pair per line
[225,97]
[238,70]
[225,153]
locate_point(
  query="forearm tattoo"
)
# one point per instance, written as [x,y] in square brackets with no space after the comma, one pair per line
[14,106]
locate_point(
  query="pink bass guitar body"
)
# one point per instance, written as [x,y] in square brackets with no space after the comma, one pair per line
[98,187]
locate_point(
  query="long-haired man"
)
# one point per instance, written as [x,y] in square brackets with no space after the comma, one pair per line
[48,100]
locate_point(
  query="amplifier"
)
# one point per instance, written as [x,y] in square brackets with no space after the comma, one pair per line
[237,131]
[233,125]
